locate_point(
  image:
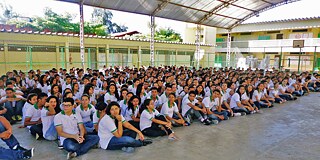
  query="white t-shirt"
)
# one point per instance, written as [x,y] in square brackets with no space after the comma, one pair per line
[163,98]
[273,92]
[129,113]
[24,110]
[69,123]
[168,111]
[157,102]
[46,120]
[106,129]
[43,88]
[146,118]
[256,93]
[186,107]
[109,97]
[210,104]
[34,113]
[234,99]
[123,106]
[85,114]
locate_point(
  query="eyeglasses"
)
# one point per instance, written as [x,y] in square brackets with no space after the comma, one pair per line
[67,105]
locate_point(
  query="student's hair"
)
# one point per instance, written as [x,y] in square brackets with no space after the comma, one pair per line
[144,105]
[192,92]
[30,96]
[113,103]
[9,89]
[139,89]
[57,109]
[69,100]
[202,93]
[122,90]
[36,91]
[238,91]
[55,85]
[42,95]
[130,104]
[135,80]
[41,80]
[216,90]
[116,93]
[249,94]
[154,88]
[100,106]
[87,88]
[172,94]
[85,95]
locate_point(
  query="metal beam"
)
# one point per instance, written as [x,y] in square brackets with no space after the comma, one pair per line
[236,5]
[81,34]
[214,11]
[266,1]
[160,7]
[152,29]
[271,6]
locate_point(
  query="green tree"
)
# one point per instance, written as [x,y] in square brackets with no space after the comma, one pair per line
[103,16]
[167,34]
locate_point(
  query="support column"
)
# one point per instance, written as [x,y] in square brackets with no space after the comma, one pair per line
[280,60]
[197,56]
[57,56]
[6,52]
[152,27]
[107,54]
[139,57]
[299,60]
[97,63]
[175,58]
[228,58]
[66,56]
[81,35]
[129,59]
[314,59]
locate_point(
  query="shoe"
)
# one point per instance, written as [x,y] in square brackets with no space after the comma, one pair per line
[187,123]
[243,113]
[71,155]
[259,111]
[19,148]
[227,118]
[12,122]
[60,146]
[13,118]
[37,136]
[295,98]
[215,122]
[252,112]
[146,142]
[206,122]
[19,118]
[28,153]
[127,149]
[236,114]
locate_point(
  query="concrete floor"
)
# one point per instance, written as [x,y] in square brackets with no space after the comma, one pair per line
[288,131]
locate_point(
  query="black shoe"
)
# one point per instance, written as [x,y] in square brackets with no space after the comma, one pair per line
[12,122]
[28,153]
[206,122]
[20,148]
[146,142]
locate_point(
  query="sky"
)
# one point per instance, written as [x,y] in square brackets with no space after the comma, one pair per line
[300,9]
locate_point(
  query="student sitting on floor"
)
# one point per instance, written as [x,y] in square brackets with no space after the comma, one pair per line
[171,111]
[112,134]
[132,113]
[48,112]
[13,104]
[259,99]
[215,112]
[189,108]
[15,151]
[151,119]
[235,102]
[86,110]
[33,116]
[125,102]
[274,93]
[70,128]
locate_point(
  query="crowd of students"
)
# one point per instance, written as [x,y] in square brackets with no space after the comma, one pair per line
[116,108]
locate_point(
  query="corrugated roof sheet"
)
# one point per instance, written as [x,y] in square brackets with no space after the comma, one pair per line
[216,13]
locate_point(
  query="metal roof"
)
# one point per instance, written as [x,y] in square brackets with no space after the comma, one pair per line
[216,13]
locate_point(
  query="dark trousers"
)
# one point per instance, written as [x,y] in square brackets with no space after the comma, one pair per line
[36,129]
[135,124]
[155,130]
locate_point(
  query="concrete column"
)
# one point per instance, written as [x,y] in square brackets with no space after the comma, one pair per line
[97,64]
[107,54]
[57,56]
[6,53]
[139,57]
[175,58]
[67,56]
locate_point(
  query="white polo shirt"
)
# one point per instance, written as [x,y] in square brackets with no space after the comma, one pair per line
[210,103]
[169,110]
[256,93]
[46,120]
[123,106]
[106,129]
[146,118]
[85,114]
[129,113]
[69,123]
[234,99]
[109,97]
[34,113]
[157,102]
[43,88]
[163,98]
[186,107]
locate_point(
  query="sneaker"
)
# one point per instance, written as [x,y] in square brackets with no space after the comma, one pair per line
[215,122]
[71,155]
[13,118]
[60,146]
[236,114]
[146,142]
[37,136]
[227,118]
[187,123]
[28,153]
[243,113]
[127,149]
[19,118]
[259,111]
[206,122]
[19,148]
[254,111]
